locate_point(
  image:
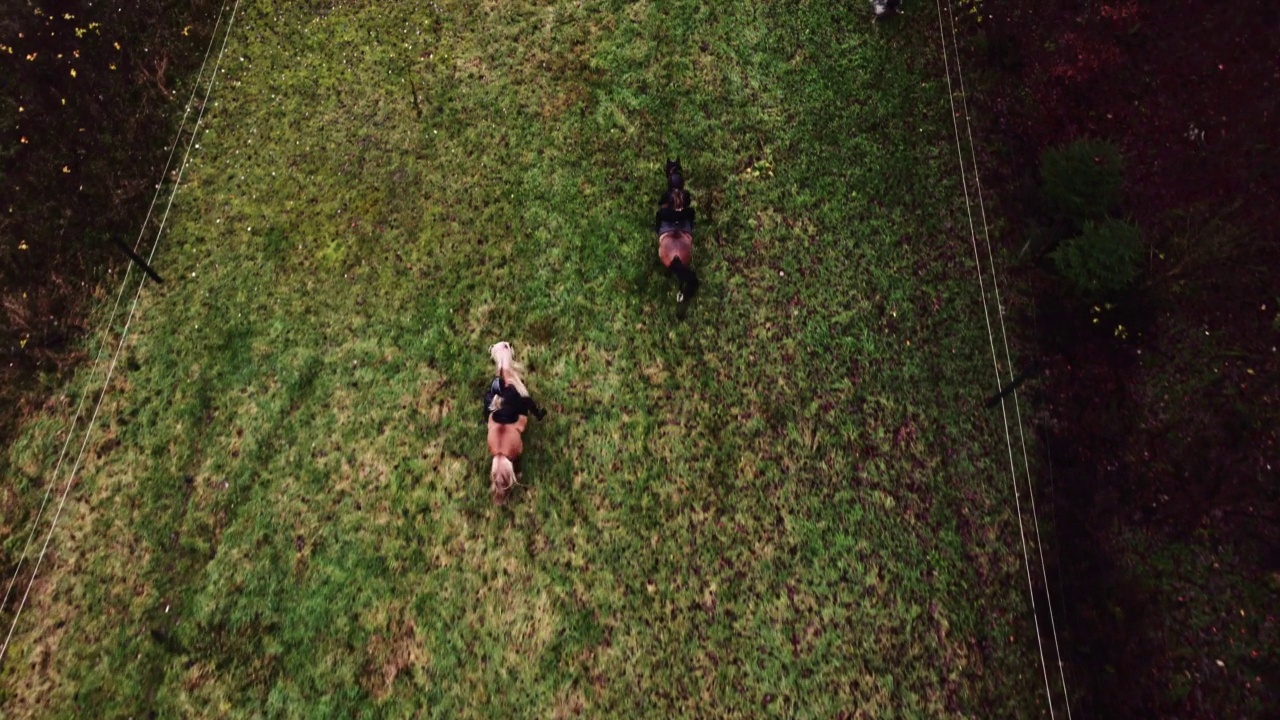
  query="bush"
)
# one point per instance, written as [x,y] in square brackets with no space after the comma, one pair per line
[1105,258]
[1081,181]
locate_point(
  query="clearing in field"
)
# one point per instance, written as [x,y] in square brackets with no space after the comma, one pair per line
[789,502]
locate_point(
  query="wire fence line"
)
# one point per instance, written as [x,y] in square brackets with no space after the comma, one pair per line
[995,360]
[106,383]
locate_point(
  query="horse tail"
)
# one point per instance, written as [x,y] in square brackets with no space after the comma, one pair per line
[688,279]
[502,477]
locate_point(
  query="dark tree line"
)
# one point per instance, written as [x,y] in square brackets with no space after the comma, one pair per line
[1133,148]
[90,97]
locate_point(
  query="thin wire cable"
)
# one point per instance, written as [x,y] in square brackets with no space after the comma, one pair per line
[995,362]
[75,420]
[1035,520]
[123,335]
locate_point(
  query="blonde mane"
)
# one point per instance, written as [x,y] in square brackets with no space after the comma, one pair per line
[510,372]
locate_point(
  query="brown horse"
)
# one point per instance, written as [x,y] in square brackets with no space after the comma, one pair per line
[674,226]
[507,407]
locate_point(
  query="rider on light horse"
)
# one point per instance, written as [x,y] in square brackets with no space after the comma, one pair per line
[507,407]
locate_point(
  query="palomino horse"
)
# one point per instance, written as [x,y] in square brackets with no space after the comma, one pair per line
[674,225]
[507,407]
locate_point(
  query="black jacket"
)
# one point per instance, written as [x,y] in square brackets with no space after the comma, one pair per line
[682,219]
[513,403]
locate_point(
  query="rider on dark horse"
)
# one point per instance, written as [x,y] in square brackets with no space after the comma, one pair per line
[674,226]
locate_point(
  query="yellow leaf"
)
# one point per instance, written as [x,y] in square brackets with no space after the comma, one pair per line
[185,29]
[73,72]
[117,45]
[112,66]
[22,245]
[23,343]
[66,169]
[21,109]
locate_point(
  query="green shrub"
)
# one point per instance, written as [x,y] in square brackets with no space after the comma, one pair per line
[1081,181]
[1103,259]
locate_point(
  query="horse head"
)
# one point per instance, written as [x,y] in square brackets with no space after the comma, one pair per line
[675,174]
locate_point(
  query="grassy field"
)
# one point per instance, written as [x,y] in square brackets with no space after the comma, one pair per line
[788,503]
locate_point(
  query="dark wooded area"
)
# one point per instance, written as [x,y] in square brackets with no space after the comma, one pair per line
[1159,404]
[90,97]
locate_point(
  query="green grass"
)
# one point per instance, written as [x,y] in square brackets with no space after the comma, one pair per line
[789,503]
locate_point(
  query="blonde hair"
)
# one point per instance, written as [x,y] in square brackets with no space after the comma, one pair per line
[508,369]
[502,477]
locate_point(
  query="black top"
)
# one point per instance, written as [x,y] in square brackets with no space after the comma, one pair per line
[513,403]
[680,218]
